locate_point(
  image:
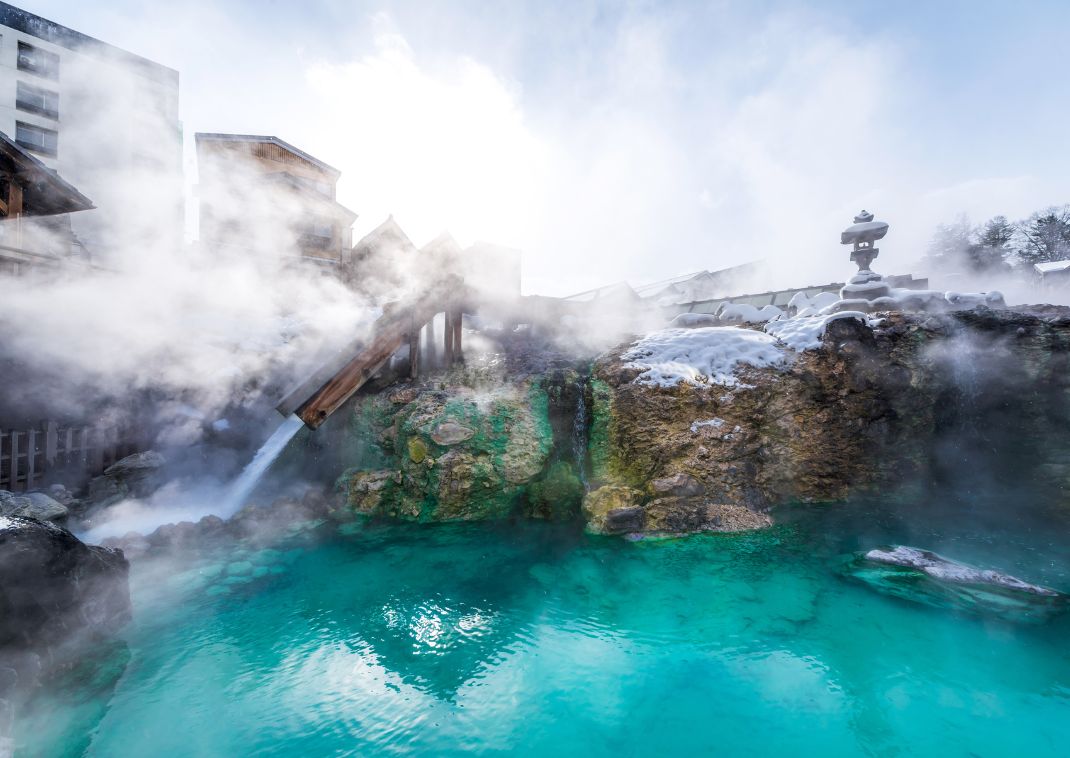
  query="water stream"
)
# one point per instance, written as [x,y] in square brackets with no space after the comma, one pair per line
[250,476]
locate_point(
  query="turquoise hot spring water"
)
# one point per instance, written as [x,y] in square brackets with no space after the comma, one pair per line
[533,639]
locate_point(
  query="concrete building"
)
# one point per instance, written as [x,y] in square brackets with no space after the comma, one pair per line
[263,195]
[105,120]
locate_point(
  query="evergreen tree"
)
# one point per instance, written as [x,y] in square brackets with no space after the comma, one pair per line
[995,242]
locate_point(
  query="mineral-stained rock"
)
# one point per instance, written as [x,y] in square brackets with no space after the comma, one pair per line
[450,433]
[677,515]
[600,502]
[869,410]
[464,455]
[680,485]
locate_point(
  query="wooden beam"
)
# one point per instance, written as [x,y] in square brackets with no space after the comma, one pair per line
[447,339]
[414,352]
[14,198]
[458,353]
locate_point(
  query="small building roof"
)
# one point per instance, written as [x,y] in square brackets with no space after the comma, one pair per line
[1051,266]
[44,192]
[267,139]
[390,230]
[617,289]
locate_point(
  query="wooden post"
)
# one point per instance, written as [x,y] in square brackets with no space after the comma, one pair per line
[458,353]
[51,443]
[448,338]
[414,353]
[13,475]
[93,456]
[31,457]
[430,349]
[68,447]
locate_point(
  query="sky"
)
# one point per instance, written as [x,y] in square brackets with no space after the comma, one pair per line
[635,140]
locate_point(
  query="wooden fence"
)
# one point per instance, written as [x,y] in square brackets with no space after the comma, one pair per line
[31,458]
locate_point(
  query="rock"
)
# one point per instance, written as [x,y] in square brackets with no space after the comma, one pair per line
[947,570]
[624,520]
[36,505]
[924,577]
[450,433]
[681,515]
[135,465]
[597,505]
[54,589]
[404,396]
[680,485]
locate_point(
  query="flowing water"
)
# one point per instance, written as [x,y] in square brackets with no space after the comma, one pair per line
[533,639]
[254,471]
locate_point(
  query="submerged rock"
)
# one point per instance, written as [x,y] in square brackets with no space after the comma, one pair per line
[926,577]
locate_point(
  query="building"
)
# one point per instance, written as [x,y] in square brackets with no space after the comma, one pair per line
[382,262]
[700,285]
[262,195]
[31,197]
[1052,274]
[104,119]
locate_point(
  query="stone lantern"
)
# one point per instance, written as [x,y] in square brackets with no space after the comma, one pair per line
[865,285]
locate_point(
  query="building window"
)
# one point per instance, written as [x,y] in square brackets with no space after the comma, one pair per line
[38,61]
[37,138]
[37,100]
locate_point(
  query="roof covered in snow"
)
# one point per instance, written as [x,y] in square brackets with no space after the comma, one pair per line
[1050,266]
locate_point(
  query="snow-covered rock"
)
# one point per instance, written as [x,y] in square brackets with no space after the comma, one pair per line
[707,355]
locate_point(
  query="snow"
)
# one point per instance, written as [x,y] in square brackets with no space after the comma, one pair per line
[803,332]
[747,312]
[801,301]
[1050,266]
[694,319]
[6,523]
[707,355]
[716,423]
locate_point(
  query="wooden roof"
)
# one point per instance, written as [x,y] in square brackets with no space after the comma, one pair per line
[44,193]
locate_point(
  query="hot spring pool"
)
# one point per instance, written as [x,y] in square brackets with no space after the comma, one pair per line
[532,639]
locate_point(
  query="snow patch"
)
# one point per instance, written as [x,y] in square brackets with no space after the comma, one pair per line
[707,355]
[744,312]
[804,332]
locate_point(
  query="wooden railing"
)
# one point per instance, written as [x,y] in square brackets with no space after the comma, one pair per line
[32,457]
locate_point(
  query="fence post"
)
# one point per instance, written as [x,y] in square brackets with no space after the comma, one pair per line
[51,443]
[31,457]
[13,470]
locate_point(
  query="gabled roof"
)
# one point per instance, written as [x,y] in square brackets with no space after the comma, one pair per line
[442,244]
[46,194]
[388,230]
[617,289]
[266,139]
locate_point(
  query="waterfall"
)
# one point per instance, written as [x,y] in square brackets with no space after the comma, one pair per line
[579,434]
[250,476]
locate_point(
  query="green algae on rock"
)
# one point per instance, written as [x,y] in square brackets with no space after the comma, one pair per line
[452,455]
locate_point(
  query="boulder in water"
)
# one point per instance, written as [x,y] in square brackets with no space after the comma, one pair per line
[926,577]
[56,590]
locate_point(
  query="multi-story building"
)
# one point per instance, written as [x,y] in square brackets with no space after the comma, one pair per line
[262,195]
[105,120]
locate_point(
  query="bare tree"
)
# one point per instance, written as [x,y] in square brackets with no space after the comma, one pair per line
[1045,236]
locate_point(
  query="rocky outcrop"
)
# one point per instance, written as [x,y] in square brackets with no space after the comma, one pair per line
[903,398]
[55,593]
[456,455]
[135,476]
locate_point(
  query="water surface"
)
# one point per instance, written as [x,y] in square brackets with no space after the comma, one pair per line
[532,639]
